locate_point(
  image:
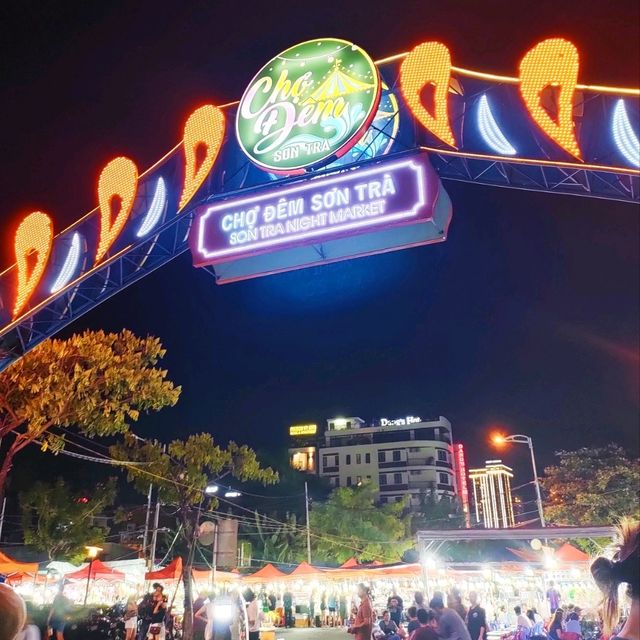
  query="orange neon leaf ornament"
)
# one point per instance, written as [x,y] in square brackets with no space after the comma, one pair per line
[34,235]
[429,63]
[204,128]
[552,63]
[118,181]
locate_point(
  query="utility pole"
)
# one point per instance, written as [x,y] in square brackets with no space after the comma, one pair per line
[145,539]
[154,536]
[306,509]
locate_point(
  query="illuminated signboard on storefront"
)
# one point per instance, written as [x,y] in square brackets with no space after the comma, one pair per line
[309,104]
[303,430]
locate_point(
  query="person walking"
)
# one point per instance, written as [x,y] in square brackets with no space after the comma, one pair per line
[476,618]
[363,624]
[450,625]
[253,615]
[57,618]
[553,597]
[287,603]
[624,568]
[130,618]
[157,626]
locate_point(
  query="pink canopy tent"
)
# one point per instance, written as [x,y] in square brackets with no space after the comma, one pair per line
[99,571]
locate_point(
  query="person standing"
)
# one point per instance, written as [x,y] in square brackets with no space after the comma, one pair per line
[57,619]
[555,628]
[450,625]
[428,629]
[253,615]
[130,618]
[157,627]
[476,618]
[521,620]
[623,569]
[454,601]
[394,606]
[287,603]
[363,624]
[414,623]
[553,597]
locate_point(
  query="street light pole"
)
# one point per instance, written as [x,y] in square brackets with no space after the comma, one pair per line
[522,439]
[93,553]
[306,510]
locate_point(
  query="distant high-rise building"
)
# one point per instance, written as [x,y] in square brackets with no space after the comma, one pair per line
[492,495]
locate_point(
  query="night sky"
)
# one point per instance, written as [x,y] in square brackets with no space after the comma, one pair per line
[527,316]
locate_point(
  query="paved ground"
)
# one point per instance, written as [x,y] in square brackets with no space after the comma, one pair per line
[326,633]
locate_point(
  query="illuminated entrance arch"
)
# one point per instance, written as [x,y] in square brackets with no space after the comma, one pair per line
[542,130]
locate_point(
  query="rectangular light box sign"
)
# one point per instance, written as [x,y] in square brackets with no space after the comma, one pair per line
[315,210]
[303,430]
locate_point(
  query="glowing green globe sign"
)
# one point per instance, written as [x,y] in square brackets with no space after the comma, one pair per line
[308,106]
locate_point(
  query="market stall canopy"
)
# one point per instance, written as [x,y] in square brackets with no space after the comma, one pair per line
[351,562]
[569,553]
[23,577]
[172,571]
[99,571]
[63,567]
[204,575]
[268,572]
[8,565]
[305,569]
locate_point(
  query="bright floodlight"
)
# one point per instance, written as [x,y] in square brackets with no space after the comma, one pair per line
[93,552]
[498,439]
[211,489]
[232,494]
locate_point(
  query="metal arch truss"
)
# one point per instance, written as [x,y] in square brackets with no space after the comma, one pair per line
[98,286]
[534,177]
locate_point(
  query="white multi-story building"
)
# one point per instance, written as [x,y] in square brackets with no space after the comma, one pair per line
[492,495]
[405,457]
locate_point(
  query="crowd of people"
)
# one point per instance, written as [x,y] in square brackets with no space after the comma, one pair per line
[452,618]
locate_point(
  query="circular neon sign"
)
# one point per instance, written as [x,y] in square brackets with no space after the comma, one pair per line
[308,106]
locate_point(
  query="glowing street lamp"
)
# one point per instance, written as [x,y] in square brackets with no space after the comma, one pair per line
[499,440]
[92,552]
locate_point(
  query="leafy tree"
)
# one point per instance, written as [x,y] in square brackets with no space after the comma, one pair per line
[94,382]
[351,523]
[280,542]
[438,513]
[592,486]
[181,471]
[58,520]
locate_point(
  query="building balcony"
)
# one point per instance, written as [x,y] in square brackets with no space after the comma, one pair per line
[426,485]
[440,463]
[446,487]
[330,469]
[420,461]
[390,488]
[392,464]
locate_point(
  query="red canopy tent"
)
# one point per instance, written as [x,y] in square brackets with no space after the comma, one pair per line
[99,571]
[173,571]
[204,575]
[268,572]
[9,566]
[305,569]
[351,562]
[569,553]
